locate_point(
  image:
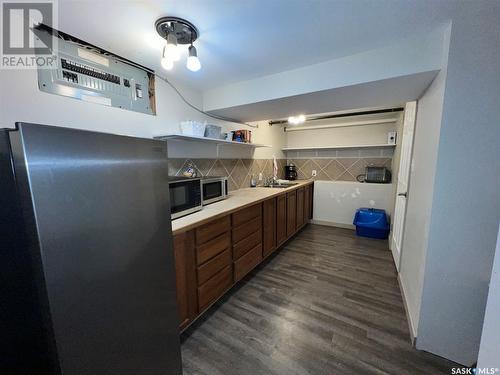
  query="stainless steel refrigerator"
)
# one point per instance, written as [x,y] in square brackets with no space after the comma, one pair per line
[86,262]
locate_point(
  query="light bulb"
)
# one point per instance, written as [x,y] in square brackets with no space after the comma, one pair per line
[166,62]
[295,120]
[171,50]
[193,63]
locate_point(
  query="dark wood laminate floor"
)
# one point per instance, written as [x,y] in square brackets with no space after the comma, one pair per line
[327,303]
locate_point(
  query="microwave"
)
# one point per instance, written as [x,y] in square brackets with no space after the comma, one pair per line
[214,189]
[185,196]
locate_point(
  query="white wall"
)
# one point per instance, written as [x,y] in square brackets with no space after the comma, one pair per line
[269,135]
[489,351]
[416,55]
[336,202]
[20,100]
[466,202]
[420,191]
[342,136]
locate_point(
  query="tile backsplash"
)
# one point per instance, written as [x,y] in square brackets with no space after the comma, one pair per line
[239,171]
[337,169]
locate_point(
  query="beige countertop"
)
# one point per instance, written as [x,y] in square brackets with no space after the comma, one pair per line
[236,200]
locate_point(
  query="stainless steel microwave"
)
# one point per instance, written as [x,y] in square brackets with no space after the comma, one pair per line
[214,189]
[185,196]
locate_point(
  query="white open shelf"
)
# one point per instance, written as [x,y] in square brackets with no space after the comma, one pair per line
[385,145]
[219,142]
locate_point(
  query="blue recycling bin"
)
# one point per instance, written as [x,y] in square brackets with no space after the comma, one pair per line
[371,222]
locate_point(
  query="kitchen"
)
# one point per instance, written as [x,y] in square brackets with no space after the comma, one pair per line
[197,213]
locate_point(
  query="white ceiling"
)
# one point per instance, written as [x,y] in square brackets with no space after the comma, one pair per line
[246,39]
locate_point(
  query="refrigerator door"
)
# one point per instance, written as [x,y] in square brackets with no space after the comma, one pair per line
[101,209]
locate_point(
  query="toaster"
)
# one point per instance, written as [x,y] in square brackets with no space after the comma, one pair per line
[379,175]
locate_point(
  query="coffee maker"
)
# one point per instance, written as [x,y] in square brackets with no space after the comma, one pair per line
[290,172]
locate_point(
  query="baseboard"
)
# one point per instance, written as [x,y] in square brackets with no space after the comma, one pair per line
[411,327]
[332,224]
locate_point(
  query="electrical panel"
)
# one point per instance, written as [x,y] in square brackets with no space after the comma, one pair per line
[87,73]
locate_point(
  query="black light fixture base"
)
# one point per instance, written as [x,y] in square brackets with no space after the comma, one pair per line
[184,30]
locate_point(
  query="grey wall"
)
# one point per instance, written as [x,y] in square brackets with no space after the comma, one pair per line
[466,202]
[420,191]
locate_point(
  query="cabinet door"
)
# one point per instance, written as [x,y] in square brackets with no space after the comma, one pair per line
[307,203]
[291,213]
[300,207]
[281,219]
[185,274]
[269,227]
[311,200]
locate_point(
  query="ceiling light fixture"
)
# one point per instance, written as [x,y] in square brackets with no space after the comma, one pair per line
[295,120]
[177,31]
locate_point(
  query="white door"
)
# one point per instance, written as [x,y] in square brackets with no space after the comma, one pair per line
[403,181]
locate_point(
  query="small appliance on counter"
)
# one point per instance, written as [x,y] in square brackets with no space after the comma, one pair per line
[378,175]
[185,195]
[214,189]
[290,172]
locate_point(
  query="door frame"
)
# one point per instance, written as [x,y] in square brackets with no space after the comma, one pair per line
[410,119]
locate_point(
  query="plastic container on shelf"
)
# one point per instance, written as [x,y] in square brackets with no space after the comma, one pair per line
[193,128]
[371,222]
[213,131]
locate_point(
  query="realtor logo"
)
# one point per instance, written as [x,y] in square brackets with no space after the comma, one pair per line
[24,46]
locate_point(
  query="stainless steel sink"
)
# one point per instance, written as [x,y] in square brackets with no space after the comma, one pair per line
[281,186]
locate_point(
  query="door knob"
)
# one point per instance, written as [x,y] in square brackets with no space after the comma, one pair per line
[402,194]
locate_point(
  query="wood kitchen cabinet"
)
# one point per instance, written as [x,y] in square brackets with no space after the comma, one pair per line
[281,222]
[185,275]
[291,213]
[247,240]
[214,261]
[300,208]
[307,203]
[214,255]
[269,226]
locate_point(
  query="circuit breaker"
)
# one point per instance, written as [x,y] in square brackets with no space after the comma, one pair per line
[84,72]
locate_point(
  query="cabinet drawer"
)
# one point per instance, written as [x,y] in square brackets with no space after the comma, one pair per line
[247,262]
[246,244]
[212,248]
[246,214]
[244,230]
[214,287]
[214,265]
[211,230]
